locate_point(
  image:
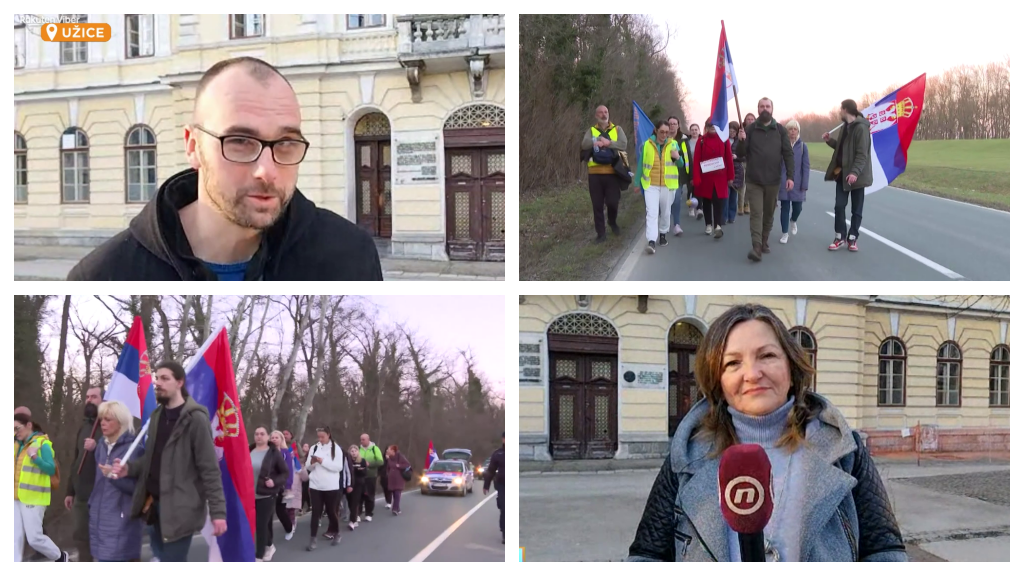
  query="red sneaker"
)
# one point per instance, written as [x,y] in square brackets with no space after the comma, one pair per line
[836,244]
[852,245]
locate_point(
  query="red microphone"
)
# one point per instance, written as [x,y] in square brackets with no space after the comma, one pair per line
[745,494]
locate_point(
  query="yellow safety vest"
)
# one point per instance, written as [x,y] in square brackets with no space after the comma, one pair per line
[671,171]
[613,135]
[33,485]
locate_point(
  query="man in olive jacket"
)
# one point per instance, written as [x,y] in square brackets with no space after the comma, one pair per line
[850,169]
[765,144]
[80,483]
[179,476]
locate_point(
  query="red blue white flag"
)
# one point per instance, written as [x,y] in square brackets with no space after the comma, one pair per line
[210,379]
[132,382]
[893,122]
[725,83]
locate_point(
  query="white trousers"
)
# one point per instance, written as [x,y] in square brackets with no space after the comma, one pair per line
[659,210]
[28,524]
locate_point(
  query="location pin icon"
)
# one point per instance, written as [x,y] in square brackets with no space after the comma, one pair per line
[51,31]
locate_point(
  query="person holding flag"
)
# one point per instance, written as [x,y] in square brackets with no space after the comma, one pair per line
[83,475]
[765,144]
[179,452]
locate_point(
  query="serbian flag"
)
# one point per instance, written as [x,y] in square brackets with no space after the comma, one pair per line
[210,380]
[431,456]
[725,82]
[893,122]
[132,382]
[643,128]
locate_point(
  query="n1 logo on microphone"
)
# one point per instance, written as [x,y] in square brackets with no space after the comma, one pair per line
[744,495]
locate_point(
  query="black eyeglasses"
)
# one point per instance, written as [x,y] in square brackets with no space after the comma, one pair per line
[246,149]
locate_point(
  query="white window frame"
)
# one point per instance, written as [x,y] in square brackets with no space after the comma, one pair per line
[146,35]
[250,23]
[348,21]
[76,48]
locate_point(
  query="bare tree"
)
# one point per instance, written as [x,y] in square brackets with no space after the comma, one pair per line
[314,385]
[301,318]
[57,398]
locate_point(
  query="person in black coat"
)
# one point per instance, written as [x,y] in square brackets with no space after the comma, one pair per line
[236,214]
[496,473]
[270,480]
[359,468]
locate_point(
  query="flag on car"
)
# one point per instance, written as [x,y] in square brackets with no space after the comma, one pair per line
[431,456]
[725,82]
[893,122]
[210,379]
[132,382]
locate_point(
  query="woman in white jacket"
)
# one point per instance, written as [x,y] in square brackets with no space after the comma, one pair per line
[326,467]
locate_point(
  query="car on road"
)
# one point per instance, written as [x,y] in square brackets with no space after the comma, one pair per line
[463,454]
[447,476]
[483,468]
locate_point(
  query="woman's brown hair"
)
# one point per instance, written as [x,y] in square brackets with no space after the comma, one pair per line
[717,424]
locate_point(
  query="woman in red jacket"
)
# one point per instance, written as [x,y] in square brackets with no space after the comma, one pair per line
[712,171]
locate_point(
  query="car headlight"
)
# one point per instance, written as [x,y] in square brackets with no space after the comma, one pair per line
[479,470]
[424,479]
[457,481]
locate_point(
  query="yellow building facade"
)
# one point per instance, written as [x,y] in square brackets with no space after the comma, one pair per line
[405,115]
[611,376]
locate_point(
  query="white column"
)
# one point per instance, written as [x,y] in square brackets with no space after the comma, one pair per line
[894,322]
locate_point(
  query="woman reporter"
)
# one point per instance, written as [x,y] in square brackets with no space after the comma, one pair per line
[830,504]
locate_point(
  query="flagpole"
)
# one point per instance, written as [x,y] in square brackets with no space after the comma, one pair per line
[91,435]
[735,95]
[191,363]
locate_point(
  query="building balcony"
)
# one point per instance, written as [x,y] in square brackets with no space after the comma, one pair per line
[445,41]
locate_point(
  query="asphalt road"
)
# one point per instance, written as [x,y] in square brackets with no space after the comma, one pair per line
[904,236]
[593,517]
[413,535]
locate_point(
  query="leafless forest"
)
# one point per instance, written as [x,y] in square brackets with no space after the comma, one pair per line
[300,362]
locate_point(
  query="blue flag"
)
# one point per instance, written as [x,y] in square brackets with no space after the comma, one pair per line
[642,130]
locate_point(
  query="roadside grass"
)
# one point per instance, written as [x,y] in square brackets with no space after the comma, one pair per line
[973,171]
[556,234]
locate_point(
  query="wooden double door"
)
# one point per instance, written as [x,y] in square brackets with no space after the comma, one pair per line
[682,384]
[373,186]
[475,203]
[583,403]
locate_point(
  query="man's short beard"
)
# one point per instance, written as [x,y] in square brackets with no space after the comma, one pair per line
[231,209]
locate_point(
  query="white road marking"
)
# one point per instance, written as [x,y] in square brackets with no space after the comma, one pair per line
[908,252]
[422,555]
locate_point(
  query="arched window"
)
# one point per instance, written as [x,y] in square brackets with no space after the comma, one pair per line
[373,124]
[947,375]
[805,340]
[140,164]
[74,163]
[892,373]
[999,377]
[20,169]
[476,116]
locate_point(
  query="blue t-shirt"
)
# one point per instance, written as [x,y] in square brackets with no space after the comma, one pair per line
[229,271]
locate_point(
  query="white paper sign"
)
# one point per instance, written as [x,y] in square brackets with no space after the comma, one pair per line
[712,165]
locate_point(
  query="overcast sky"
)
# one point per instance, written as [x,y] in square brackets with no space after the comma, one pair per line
[448,323]
[809,59]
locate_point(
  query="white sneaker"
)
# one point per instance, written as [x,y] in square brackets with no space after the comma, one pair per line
[707,230]
[387,505]
[289,535]
[351,525]
[690,212]
[269,553]
[368,518]
[700,213]
[677,230]
[784,239]
[792,227]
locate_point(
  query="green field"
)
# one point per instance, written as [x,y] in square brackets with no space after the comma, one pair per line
[556,234]
[974,171]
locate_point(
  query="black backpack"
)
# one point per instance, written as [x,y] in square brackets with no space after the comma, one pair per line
[407,473]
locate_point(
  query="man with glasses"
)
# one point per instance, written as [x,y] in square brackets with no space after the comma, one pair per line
[236,213]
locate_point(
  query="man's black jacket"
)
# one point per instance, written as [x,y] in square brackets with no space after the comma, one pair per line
[496,471]
[306,243]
